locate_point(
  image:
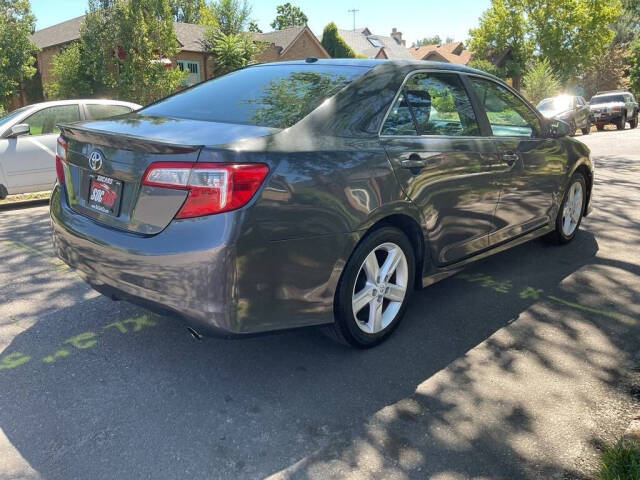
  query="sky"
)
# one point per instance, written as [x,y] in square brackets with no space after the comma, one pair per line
[414,18]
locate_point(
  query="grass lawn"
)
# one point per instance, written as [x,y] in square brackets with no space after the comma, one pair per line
[621,461]
[22,197]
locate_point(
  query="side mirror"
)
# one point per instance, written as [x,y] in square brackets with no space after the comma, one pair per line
[558,128]
[19,129]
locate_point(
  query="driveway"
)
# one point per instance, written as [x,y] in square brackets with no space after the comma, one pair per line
[517,368]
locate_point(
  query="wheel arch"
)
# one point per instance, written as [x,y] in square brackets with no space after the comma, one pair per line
[587,172]
[410,226]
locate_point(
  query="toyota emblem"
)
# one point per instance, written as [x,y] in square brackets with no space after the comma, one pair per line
[95,160]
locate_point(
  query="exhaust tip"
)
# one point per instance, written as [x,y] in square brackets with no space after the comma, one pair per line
[194,334]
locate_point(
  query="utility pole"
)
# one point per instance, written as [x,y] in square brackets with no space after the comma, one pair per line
[353,11]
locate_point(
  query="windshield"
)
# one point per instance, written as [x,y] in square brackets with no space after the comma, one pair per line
[557,104]
[13,114]
[607,99]
[271,96]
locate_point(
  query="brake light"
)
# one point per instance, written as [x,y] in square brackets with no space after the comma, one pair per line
[212,187]
[616,109]
[61,158]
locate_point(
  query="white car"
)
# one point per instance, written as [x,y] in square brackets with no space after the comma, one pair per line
[28,138]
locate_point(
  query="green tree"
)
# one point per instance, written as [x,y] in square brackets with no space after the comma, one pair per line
[334,44]
[571,34]
[434,40]
[16,50]
[541,82]
[229,16]
[121,53]
[288,16]
[230,51]
[486,66]
[188,11]
[502,34]
[253,27]
[634,70]
[608,71]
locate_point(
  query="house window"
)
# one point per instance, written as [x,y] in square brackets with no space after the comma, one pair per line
[193,72]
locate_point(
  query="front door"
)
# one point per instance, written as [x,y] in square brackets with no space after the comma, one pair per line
[444,163]
[537,163]
[29,160]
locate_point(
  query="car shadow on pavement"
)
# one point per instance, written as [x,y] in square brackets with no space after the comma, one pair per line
[121,393]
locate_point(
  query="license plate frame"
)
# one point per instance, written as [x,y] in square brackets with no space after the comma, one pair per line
[110,198]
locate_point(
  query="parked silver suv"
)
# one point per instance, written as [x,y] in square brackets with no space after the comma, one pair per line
[617,107]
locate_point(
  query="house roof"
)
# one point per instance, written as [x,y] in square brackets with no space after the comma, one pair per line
[453,52]
[190,36]
[280,38]
[363,42]
[60,33]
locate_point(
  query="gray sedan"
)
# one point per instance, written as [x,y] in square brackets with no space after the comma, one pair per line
[312,193]
[28,140]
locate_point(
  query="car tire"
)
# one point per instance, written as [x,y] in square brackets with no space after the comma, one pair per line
[571,210]
[367,309]
[587,129]
[4,193]
[600,127]
[622,122]
[634,123]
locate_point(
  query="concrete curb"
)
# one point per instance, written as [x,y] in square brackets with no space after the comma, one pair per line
[24,204]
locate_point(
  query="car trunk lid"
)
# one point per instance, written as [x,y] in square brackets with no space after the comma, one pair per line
[106,161]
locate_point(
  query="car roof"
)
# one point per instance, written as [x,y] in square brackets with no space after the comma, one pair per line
[409,64]
[99,101]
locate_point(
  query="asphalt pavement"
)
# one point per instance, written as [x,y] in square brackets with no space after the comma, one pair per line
[520,367]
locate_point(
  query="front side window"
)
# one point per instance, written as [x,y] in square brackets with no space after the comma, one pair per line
[508,115]
[432,104]
[271,96]
[44,121]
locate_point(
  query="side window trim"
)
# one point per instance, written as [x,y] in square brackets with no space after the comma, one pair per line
[472,99]
[517,95]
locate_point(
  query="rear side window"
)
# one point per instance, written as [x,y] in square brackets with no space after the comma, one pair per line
[272,96]
[508,115]
[432,104]
[44,121]
[97,111]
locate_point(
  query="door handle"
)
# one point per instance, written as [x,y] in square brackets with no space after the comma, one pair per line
[510,158]
[414,161]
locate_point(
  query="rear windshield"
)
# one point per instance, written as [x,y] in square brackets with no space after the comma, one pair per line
[607,99]
[271,96]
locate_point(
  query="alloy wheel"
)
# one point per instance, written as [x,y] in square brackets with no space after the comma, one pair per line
[380,288]
[572,210]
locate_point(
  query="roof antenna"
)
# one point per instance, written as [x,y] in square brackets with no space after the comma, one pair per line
[353,11]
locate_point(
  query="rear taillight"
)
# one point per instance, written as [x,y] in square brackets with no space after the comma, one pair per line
[616,109]
[212,187]
[61,159]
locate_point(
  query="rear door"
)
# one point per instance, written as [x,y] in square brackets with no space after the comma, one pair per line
[29,161]
[538,163]
[445,164]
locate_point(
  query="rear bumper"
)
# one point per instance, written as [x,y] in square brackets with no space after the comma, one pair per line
[188,269]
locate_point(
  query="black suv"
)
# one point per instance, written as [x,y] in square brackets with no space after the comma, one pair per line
[616,106]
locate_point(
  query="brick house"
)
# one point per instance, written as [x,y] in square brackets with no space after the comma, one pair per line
[453,52]
[288,44]
[369,45]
